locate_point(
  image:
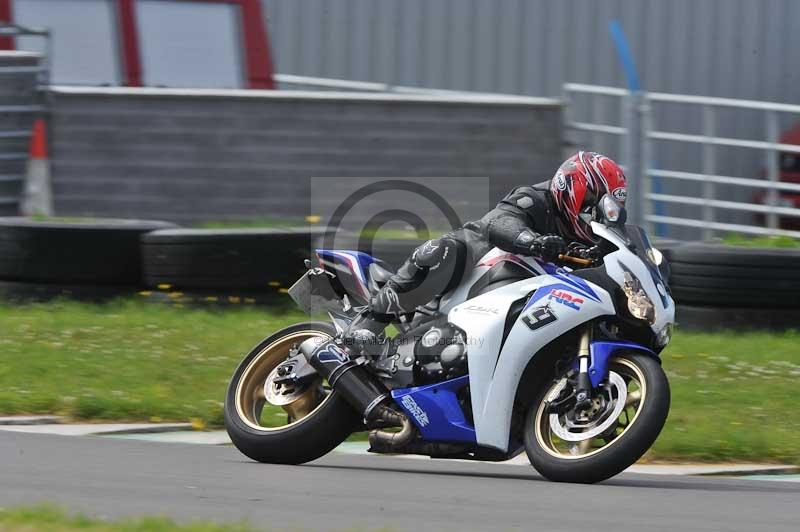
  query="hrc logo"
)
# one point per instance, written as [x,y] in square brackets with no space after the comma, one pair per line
[565,298]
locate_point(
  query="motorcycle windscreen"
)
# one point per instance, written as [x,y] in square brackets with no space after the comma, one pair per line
[642,247]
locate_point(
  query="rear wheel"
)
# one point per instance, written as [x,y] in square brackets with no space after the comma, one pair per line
[280,423]
[624,420]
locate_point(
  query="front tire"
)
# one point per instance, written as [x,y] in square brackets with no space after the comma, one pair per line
[618,447]
[316,422]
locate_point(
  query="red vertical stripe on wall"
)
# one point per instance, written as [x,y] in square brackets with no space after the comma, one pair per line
[129,43]
[256,46]
[6,43]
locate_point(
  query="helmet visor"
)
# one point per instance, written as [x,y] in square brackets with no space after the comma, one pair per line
[589,211]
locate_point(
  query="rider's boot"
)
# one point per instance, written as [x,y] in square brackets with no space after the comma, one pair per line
[403,291]
[368,321]
[366,332]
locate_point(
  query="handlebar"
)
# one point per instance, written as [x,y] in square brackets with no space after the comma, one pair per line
[575,260]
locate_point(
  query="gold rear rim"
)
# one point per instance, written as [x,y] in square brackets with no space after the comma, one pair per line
[635,399]
[252,405]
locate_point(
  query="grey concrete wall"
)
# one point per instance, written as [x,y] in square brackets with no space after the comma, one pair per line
[17,97]
[191,156]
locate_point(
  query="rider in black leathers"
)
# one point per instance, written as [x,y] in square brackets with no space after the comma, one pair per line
[531,220]
[523,222]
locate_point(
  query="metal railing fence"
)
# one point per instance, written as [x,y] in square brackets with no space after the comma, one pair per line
[292,81]
[637,132]
[15,130]
[22,102]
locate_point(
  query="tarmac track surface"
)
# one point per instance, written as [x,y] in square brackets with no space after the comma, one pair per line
[111,478]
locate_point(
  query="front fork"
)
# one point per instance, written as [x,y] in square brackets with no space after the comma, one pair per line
[583,392]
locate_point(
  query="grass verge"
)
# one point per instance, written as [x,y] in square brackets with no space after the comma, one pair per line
[732,393]
[732,397]
[53,519]
[761,241]
[127,360]
[382,232]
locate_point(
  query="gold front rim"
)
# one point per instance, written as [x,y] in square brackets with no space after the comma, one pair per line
[635,399]
[250,396]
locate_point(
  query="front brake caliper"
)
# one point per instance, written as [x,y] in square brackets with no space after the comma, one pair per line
[561,399]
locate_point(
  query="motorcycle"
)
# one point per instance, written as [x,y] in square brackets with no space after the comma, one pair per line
[559,360]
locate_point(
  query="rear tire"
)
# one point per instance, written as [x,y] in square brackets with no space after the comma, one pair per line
[302,440]
[623,451]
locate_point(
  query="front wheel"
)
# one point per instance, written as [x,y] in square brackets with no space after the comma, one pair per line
[282,424]
[624,420]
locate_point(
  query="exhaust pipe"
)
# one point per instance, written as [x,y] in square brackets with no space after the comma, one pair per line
[362,390]
[383,440]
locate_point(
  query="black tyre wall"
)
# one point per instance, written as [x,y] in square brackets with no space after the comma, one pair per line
[251,259]
[96,252]
[714,275]
[706,319]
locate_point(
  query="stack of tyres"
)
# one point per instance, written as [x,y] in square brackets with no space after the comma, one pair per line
[20,98]
[252,260]
[726,287]
[73,257]
[92,251]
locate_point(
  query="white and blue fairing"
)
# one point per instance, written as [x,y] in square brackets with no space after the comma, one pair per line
[496,365]
[557,302]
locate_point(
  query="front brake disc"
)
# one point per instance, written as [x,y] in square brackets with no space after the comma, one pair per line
[563,431]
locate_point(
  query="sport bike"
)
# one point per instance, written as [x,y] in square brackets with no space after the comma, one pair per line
[559,360]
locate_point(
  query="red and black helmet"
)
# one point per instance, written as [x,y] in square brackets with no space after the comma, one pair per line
[578,185]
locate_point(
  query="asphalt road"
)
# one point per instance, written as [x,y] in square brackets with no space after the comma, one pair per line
[110,478]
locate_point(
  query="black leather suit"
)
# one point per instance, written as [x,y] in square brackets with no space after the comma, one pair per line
[439,264]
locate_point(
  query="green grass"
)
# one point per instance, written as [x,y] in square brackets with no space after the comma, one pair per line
[394,233]
[389,233]
[51,518]
[127,361]
[253,223]
[733,395]
[761,241]
[65,219]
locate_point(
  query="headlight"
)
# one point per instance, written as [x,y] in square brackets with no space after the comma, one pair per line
[664,336]
[655,256]
[639,305]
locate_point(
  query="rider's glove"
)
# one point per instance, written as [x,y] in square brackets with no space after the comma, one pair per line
[548,247]
[591,253]
[583,251]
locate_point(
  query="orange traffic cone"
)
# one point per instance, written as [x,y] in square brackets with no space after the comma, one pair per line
[37,197]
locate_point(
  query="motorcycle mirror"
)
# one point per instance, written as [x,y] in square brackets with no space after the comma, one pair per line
[613,212]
